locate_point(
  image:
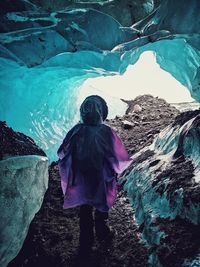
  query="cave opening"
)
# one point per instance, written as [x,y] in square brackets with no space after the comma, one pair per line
[144,77]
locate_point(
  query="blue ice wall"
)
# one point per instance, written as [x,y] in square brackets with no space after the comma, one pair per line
[44,59]
[44,101]
[163,187]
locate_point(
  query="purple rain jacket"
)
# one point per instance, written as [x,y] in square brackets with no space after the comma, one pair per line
[89,158]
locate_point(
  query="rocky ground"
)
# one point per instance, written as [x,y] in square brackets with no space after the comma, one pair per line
[52,239]
[14,143]
[182,241]
[138,129]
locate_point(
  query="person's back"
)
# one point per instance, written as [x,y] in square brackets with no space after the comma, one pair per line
[90,157]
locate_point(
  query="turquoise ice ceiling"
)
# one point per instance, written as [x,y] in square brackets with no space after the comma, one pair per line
[45,57]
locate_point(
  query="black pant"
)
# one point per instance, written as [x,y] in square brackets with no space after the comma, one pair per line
[88,223]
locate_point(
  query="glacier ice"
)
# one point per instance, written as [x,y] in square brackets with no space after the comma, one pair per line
[192,262]
[52,110]
[172,142]
[24,180]
[159,188]
[45,58]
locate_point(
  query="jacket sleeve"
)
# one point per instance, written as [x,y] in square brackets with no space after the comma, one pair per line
[121,159]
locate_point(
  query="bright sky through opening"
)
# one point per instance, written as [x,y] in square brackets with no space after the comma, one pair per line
[145,77]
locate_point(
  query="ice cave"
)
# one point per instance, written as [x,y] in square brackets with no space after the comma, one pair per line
[48,51]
